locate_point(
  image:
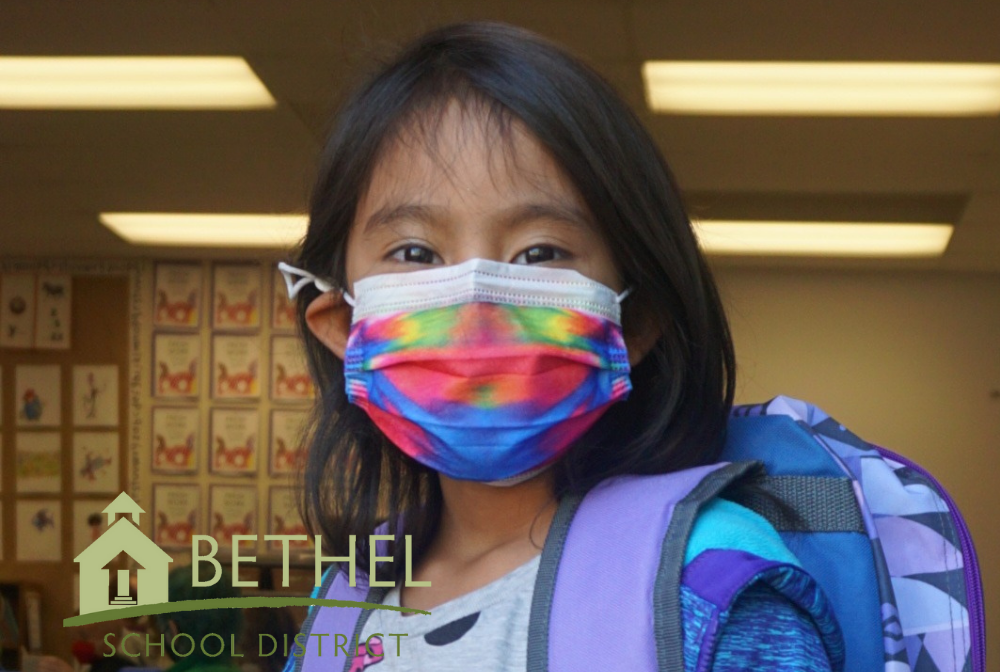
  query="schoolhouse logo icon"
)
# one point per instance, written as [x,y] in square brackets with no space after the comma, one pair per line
[122,537]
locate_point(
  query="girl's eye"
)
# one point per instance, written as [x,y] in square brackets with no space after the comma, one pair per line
[539,254]
[415,254]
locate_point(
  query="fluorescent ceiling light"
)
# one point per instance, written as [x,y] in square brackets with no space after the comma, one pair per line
[805,88]
[207,230]
[133,82]
[823,239]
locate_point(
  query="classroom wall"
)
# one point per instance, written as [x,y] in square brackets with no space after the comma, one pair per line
[100,335]
[910,361]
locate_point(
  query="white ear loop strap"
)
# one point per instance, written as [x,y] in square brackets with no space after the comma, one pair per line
[296,279]
[621,297]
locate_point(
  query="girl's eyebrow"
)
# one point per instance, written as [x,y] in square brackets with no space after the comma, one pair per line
[521,213]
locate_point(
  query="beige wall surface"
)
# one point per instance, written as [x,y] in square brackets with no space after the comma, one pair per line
[910,361]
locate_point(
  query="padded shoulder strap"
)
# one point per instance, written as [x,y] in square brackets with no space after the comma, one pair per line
[612,564]
[347,621]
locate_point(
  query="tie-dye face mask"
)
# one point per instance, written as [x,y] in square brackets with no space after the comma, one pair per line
[484,371]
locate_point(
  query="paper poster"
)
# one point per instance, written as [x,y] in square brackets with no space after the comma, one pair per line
[290,378]
[89,522]
[235,367]
[236,296]
[234,440]
[287,450]
[39,462]
[177,299]
[175,365]
[175,438]
[175,514]
[17,310]
[284,518]
[95,462]
[282,308]
[95,396]
[52,312]
[37,396]
[232,510]
[39,530]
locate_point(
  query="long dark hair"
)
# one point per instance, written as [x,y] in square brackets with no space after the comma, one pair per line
[682,391]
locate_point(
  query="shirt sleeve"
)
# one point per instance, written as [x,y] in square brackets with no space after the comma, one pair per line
[766,631]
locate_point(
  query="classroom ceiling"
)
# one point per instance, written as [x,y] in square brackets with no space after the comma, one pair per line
[58,169]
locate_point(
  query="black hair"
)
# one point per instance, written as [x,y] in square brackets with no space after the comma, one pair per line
[675,416]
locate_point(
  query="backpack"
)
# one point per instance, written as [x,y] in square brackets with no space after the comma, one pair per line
[881,538]
[907,587]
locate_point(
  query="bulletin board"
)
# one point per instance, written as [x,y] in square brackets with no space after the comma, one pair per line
[67,427]
[225,393]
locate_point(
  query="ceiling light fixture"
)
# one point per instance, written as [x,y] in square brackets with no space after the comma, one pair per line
[822,239]
[132,82]
[822,88]
[207,230]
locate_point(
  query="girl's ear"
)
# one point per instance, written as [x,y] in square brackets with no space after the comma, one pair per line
[329,319]
[640,341]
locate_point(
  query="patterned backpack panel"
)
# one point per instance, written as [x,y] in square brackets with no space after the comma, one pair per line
[927,574]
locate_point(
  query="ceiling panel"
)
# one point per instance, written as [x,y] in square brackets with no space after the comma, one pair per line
[59,169]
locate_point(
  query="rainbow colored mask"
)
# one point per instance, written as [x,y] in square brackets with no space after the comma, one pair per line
[485,371]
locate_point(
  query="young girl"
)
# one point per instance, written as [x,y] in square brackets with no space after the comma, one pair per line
[504,305]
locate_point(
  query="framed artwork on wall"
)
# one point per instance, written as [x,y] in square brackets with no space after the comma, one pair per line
[175,514]
[95,462]
[232,510]
[38,395]
[95,396]
[175,440]
[282,308]
[283,518]
[38,462]
[39,530]
[286,450]
[176,366]
[236,297]
[234,439]
[290,379]
[177,296]
[235,367]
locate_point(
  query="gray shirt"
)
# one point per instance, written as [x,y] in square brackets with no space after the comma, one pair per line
[485,629]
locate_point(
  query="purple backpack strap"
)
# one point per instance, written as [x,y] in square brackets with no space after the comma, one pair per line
[612,565]
[346,621]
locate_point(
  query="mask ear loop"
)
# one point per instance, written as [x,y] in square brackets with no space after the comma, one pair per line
[294,283]
[621,297]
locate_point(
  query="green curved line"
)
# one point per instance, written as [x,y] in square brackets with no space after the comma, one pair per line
[223,603]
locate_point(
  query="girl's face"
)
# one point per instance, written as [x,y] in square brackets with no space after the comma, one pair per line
[467,193]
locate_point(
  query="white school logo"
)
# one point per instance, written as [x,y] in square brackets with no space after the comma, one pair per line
[122,536]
